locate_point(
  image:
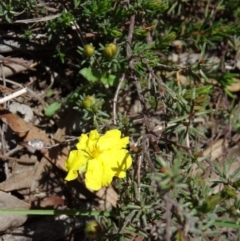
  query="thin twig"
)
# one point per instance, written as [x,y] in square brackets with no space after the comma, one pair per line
[161,83]
[175,143]
[3,128]
[28,91]
[37,20]
[176,67]
[168,217]
[12,82]
[130,36]
[187,140]
[116,98]
[3,141]
[139,164]
[139,91]
[13,95]
[11,152]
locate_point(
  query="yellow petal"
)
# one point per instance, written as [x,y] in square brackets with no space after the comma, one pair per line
[94,135]
[76,162]
[82,144]
[76,159]
[122,161]
[91,143]
[107,176]
[117,161]
[113,133]
[121,172]
[112,139]
[72,161]
[124,142]
[93,177]
[116,158]
[72,165]
[72,174]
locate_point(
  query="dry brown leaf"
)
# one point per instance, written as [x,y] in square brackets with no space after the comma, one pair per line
[22,159]
[135,237]
[29,132]
[52,202]
[210,174]
[12,66]
[235,87]
[109,195]
[220,153]
[182,79]
[7,221]
[214,151]
[41,171]
[17,181]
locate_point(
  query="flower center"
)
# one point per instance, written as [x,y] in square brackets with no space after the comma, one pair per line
[95,152]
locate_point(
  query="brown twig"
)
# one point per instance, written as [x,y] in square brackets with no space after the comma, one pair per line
[11,152]
[3,128]
[116,98]
[37,20]
[168,217]
[130,36]
[139,165]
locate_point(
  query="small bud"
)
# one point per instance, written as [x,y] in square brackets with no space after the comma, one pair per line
[92,229]
[211,202]
[113,47]
[108,52]
[89,102]
[228,193]
[170,37]
[88,50]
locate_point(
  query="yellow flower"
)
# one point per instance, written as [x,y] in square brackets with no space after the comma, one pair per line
[100,158]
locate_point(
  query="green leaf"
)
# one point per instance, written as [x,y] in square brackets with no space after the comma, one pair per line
[229,93]
[52,109]
[91,74]
[108,79]
[49,93]
[76,3]
[226,223]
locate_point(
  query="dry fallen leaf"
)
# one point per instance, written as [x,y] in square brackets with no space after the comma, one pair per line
[12,66]
[7,201]
[235,87]
[17,181]
[52,202]
[29,132]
